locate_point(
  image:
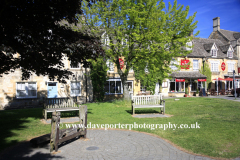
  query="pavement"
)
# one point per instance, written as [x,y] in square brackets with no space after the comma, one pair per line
[105,145]
[228,97]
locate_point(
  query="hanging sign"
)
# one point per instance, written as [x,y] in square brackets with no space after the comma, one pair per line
[223,66]
[202,80]
[185,64]
[121,62]
[180,80]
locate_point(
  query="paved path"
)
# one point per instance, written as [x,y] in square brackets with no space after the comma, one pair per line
[106,144]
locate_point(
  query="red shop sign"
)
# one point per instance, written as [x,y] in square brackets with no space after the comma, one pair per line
[180,80]
[223,66]
[121,62]
[202,80]
[185,64]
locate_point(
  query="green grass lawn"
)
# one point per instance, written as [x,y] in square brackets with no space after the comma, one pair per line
[218,135]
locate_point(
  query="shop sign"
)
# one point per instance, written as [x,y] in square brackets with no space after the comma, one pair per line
[185,64]
[121,62]
[202,80]
[223,66]
[180,80]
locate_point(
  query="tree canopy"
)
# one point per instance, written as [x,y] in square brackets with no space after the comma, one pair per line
[146,33]
[33,37]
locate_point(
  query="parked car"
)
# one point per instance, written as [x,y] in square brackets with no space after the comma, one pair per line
[237,91]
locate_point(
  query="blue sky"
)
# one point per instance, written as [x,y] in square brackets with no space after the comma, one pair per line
[227,10]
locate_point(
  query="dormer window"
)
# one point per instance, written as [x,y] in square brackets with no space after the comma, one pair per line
[230,54]
[214,52]
[189,46]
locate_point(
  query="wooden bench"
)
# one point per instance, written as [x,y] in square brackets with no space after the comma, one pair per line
[150,101]
[59,105]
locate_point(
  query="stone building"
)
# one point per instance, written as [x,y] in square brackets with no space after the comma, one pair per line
[226,36]
[220,57]
[16,93]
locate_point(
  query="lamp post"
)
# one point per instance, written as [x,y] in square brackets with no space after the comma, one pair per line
[234,83]
[204,59]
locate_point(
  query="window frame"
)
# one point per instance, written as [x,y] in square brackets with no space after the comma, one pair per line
[197,68]
[189,46]
[173,64]
[110,66]
[230,51]
[214,67]
[232,65]
[79,66]
[115,80]
[26,90]
[80,89]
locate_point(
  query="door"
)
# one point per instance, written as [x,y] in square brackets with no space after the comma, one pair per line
[52,90]
[130,88]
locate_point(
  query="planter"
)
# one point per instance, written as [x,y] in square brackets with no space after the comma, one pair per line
[197,95]
[185,95]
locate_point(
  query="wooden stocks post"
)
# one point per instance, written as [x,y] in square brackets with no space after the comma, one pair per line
[59,136]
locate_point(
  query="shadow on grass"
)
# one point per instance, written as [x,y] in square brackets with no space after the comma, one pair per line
[143,111]
[13,122]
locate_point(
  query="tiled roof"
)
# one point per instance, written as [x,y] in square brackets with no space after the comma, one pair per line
[236,35]
[224,48]
[187,74]
[229,34]
[202,47]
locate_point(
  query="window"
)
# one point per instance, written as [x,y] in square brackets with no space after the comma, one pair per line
[173,64]
[214,52]
[124,43]
[164,84]
[105,40]
[143,88]
[195,65]
[113,86]
[230,54]
[177,86]
[131,70]
[230,67]
[110,66]
[75,65]
[146,69]
[75,89]
[26,90]
[189,46]
[214,66]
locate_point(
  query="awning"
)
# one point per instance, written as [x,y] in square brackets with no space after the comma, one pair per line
[219,79]
[188,75]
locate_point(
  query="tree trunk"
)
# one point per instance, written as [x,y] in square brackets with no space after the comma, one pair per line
[126,95]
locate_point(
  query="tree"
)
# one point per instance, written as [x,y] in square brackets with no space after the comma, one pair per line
[144,32]
[98,76]
[207,72]
[33,37]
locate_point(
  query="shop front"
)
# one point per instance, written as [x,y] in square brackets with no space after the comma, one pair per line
[186,83]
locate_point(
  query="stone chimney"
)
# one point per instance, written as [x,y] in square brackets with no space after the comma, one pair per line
[216,24]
